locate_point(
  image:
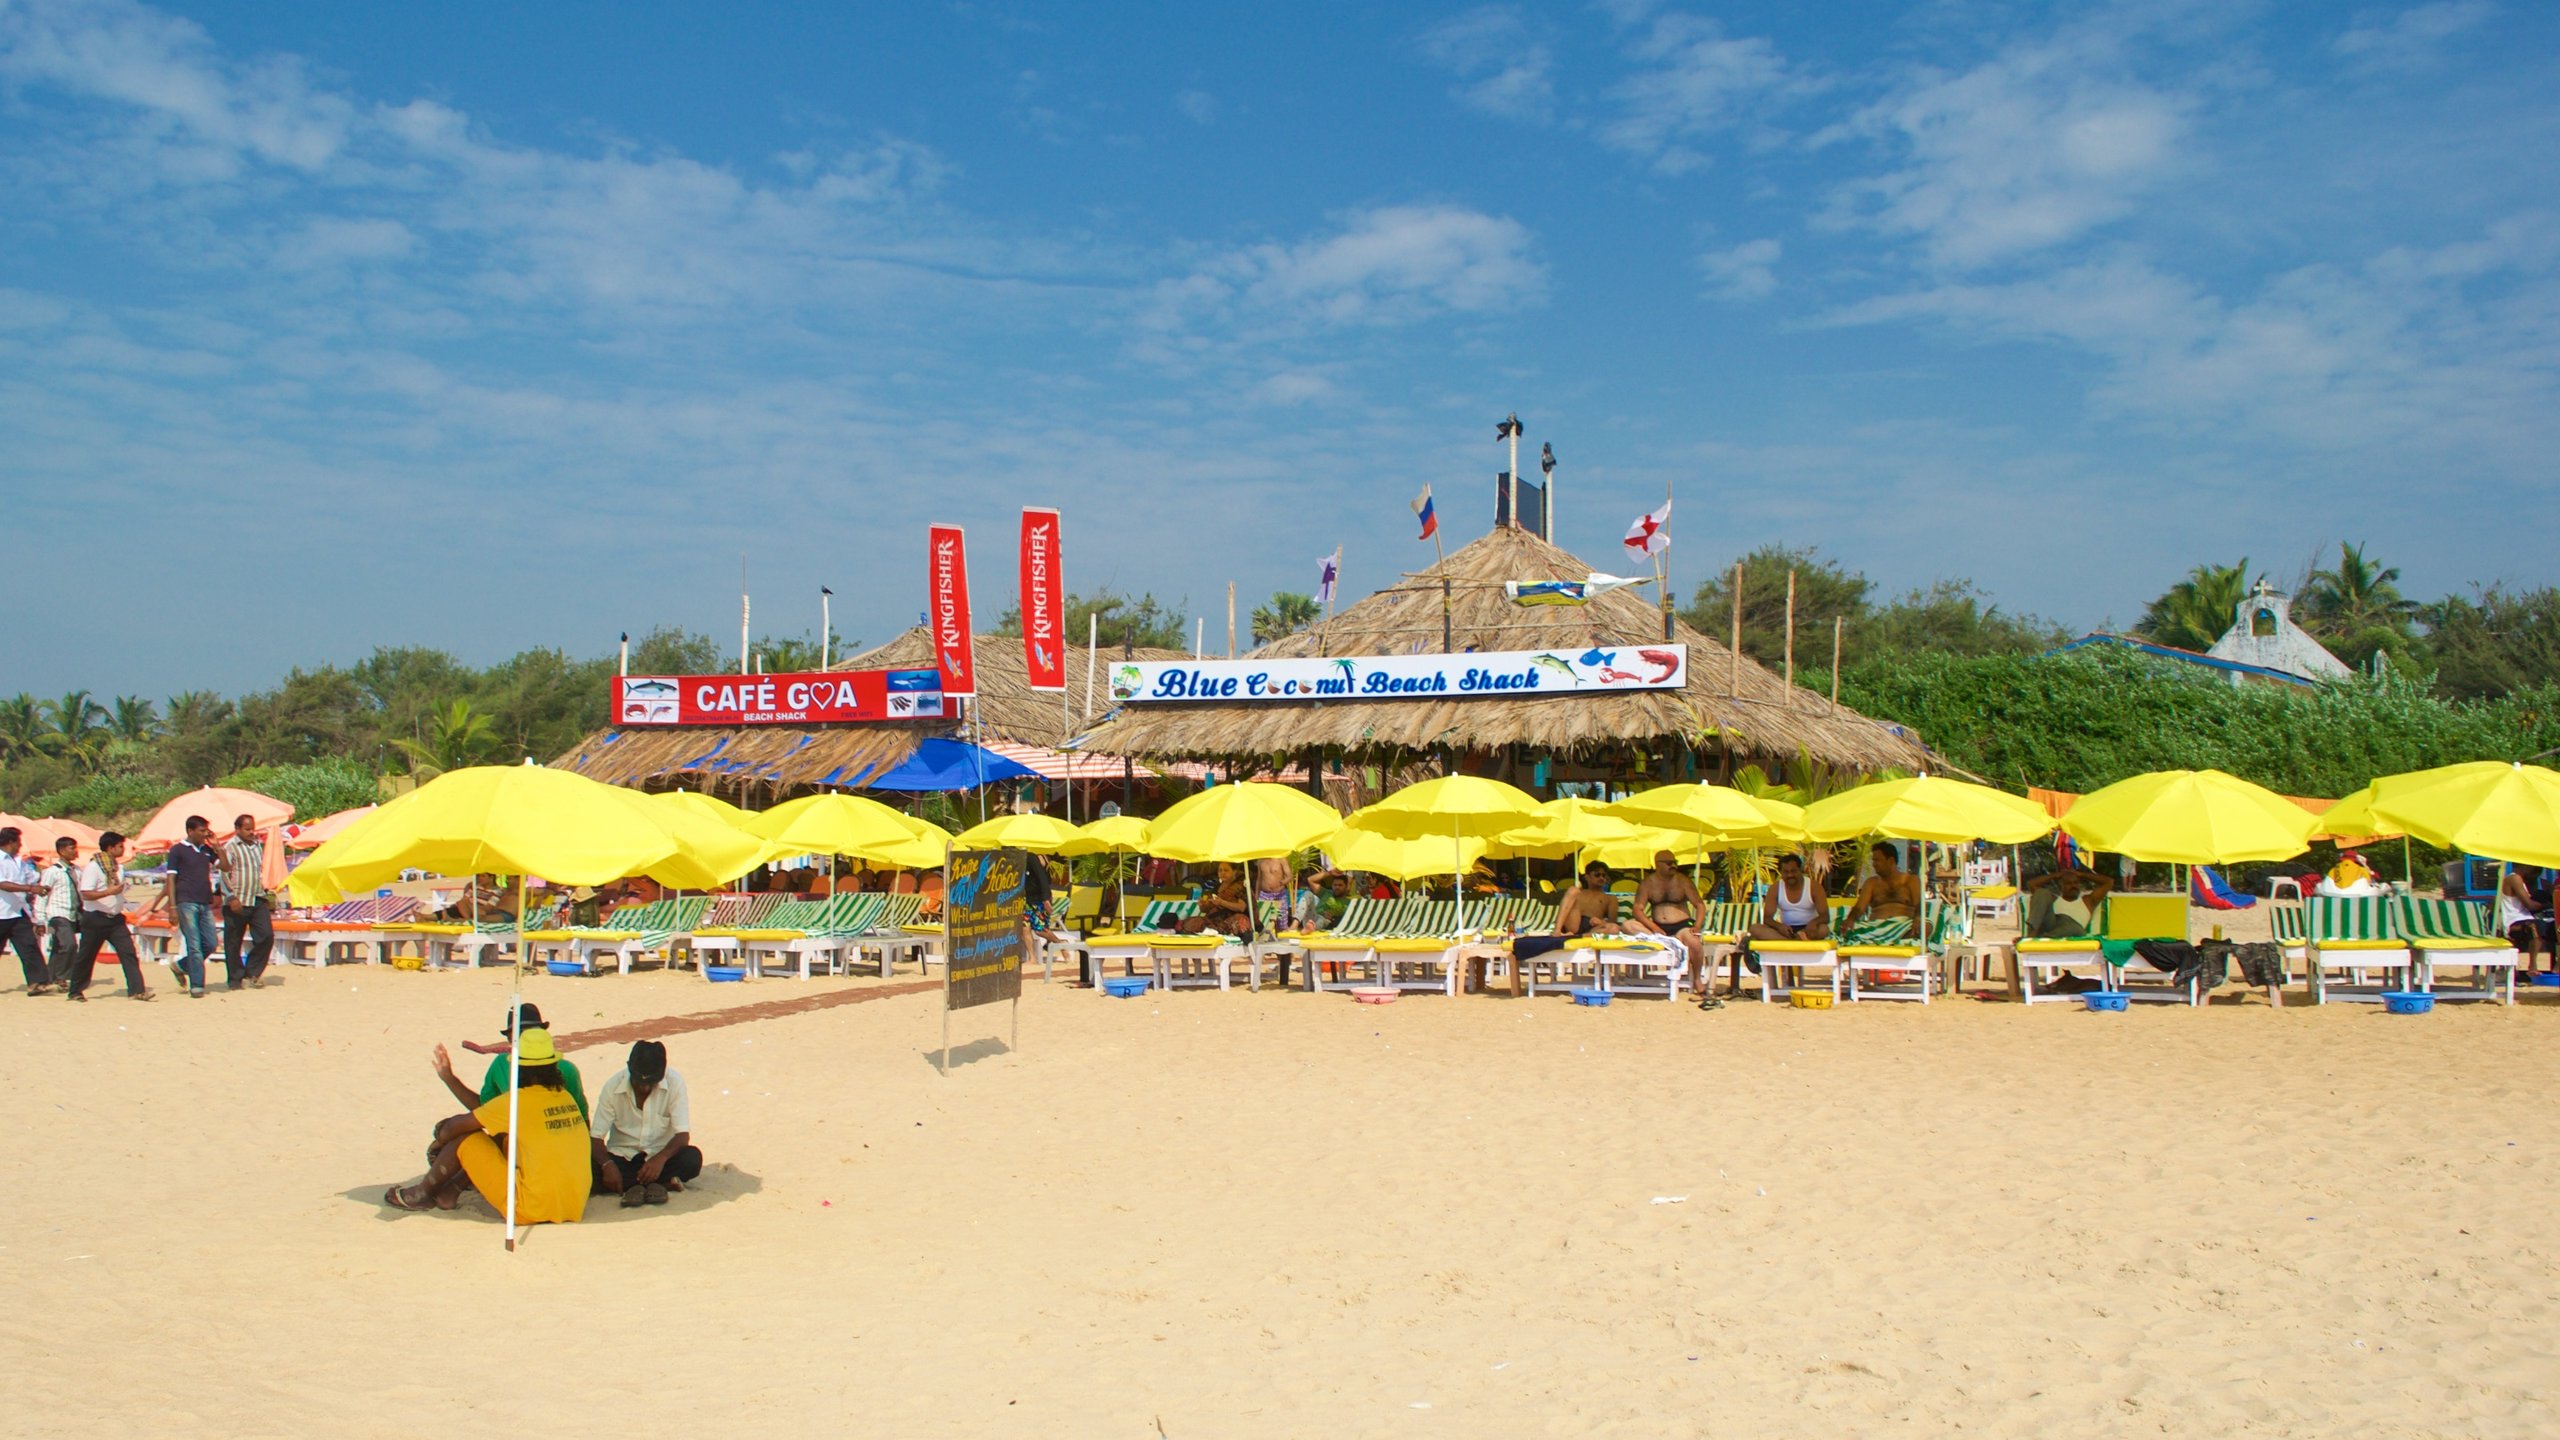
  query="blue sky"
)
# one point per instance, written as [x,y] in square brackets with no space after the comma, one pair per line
[487,326]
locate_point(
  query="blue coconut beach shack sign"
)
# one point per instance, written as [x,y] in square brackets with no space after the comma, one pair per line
[1511,674]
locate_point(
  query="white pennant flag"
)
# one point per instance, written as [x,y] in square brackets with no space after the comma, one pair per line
[1651,534]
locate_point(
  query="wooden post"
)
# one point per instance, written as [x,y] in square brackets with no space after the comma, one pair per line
[1733,682]
[1791,629]
[1231,622]
[1838,622]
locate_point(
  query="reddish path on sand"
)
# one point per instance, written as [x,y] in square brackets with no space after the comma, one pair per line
[736,1015]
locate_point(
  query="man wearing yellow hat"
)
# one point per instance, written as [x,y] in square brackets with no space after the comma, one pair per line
[550,1144]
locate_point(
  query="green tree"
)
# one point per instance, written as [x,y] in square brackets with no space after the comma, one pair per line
[134,719]
[2195,612]
[1824,590]
[2490,644]
[794,654]
[75,727]
[1286,613]
[2356,609]
[200,738]
[1953,617]
[668,650]
[22,728]
[456,736]
[1143,621]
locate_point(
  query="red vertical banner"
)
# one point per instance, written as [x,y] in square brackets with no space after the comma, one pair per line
[1044,601]
[947,610]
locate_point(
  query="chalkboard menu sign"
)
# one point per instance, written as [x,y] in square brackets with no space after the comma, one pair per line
[982,906]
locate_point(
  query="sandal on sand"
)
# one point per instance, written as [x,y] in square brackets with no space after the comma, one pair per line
[653,1194]
[397,1197]
[633,1198]
[137,994]
[76,995]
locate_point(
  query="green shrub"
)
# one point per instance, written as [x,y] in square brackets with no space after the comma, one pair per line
[322,787]
[102,797]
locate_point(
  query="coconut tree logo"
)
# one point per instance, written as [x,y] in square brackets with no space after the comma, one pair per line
[1124,682]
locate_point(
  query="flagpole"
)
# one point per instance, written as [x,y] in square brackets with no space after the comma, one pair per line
[1337,582]
[1662,566]
[1512,500]
[826,623]
[743,611]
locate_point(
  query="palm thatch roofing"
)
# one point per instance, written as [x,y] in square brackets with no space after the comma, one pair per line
[767,759]
[1730,703]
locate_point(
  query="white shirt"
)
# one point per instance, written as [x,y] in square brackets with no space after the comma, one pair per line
[15,870]
[1799,909]
[93,876]
[629,1126]
[62,893]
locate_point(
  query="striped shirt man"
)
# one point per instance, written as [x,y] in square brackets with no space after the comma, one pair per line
[243,863]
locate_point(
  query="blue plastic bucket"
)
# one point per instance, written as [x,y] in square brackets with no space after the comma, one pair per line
[564,967]
[2407,1002]
[724,974]
[1126,987]
[1591,997]
[2107,1001]
[2547,977]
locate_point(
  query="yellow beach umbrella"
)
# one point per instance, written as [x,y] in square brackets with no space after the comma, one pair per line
[2508,812]
[1700,810]
[1453,805]
[1356,847]
[1562,828]
[1636,850]
[710,807]
[834,823]
[526,820]
[2191,817]
[2352,820]
[1927,807]
[1110,833]
[1252,820]
[1039,834]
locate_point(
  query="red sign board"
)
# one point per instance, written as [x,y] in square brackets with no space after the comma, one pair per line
[1044,601]
[828,697]
[947,610]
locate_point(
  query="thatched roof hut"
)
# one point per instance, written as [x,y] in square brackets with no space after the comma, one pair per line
[1731,709]
[764,760]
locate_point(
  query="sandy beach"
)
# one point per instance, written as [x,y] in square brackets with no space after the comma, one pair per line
[1282,1215]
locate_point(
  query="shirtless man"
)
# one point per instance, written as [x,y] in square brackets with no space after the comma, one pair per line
[1668,903]
[1889,894]
[1587,909]
[1795,908]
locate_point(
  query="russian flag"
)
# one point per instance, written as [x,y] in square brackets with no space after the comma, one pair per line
[1422,509]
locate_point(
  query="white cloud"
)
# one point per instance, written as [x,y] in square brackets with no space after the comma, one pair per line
[165,66]
[2411,38]
[1503,69]
[1199,105]
[1694,82]
[1742,272]
[1390,265]
[2038,146]
[332,241]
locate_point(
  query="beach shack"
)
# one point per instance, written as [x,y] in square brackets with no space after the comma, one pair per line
[1504,659]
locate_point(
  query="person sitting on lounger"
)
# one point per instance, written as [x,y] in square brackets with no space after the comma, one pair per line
[1225,908]
[1668,903]
[551,1169]
[2063,904]
[1889,894]
[1796,907]
[2524,919]
[1588,909]
[643,1130]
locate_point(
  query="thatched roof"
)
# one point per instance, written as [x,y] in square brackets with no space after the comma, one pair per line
[1741,709]
[779,757]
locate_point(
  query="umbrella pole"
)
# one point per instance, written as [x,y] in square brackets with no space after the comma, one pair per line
[515,1056]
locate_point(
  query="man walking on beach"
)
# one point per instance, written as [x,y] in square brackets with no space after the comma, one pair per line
[192,865]
[102,922]
[62,910]
[248,912]
[643,1130]
[20,887]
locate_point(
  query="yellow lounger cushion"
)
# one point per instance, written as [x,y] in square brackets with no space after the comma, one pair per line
[1188,942]
[2057,947]
[2466,942]
[922,929]
[1123,938]
[1609,942]
[756,934]
[1415,945]
[423,929]
[1882,952]
[2360,945]
[1327,940]
[1791,947]
[1994,892]
[546,935]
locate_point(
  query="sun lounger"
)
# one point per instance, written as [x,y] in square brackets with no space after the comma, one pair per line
[2457,933]
[2127,919]
[2356,949]
[1639,963]
[1886,961]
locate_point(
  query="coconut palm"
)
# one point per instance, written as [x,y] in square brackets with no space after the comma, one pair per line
[133,718]
[1287,614]
[456,736]
[2195,612]
[2356,609]
[22,727]
[75,726]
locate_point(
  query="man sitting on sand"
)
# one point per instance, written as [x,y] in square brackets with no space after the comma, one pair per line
[493,1081]
[642,1131]
[2063,905]
[551,1165]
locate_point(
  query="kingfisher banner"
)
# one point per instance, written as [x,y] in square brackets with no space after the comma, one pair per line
[824,697]
[1513,674]
[1044,601]
[947,610]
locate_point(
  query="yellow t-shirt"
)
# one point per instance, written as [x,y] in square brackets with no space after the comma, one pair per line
[551,1156]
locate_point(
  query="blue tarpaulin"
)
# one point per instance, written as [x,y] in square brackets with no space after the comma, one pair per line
[941,764]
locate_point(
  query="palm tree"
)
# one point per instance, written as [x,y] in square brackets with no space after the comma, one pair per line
[2357,609]
[74,726]
[456,736]
[22,728]
[194,711]
[2195,612]
[1287,614]
[134,719]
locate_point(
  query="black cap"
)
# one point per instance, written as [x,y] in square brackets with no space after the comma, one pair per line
[648,1063]
[527,1012]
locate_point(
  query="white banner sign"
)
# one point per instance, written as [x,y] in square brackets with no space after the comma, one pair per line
[1517,674]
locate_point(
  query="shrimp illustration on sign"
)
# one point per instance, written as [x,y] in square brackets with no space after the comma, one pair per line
[1669,662]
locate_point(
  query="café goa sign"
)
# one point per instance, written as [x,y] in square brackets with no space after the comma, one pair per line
[1515,674]
[830,697]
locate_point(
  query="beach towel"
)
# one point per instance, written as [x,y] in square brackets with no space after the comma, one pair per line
[2214,893]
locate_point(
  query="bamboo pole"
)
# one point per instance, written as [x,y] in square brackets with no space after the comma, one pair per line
[1791,632]
[1838,623]
[1733,681]
[1231,619]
